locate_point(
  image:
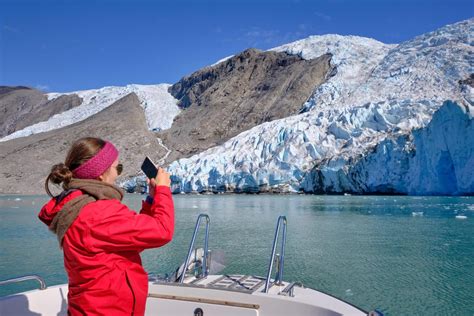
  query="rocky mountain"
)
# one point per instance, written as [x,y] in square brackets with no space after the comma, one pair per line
[244,91]
[27,161]
[23,106]
[326,114]
[159,106]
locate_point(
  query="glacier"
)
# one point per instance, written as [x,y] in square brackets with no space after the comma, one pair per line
[371,114]
[366,161]
[437,159]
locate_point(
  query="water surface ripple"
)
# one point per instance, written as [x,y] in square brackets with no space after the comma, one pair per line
[402,255]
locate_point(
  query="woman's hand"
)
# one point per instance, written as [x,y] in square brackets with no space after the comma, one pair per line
[151,187]
[162,178]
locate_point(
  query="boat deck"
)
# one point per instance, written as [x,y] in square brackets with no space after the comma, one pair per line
[233,295]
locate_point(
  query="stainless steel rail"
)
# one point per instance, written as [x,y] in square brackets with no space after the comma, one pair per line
[205,269]
[289,289]
[26,278]
[281,259]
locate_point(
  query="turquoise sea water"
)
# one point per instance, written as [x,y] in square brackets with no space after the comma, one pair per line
[402,255]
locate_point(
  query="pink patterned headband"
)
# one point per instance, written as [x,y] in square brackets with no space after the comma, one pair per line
[97,165]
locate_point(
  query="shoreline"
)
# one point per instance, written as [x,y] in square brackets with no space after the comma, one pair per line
[265,194]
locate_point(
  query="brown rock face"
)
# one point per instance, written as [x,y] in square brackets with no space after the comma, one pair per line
[21,107]
[15,106]
[247,90]
[27,161]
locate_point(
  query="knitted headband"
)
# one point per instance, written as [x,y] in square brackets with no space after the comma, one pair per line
[97,165]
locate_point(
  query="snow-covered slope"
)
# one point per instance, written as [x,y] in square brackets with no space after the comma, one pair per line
[425,68]
[160,107]
[379,91]
[354,57]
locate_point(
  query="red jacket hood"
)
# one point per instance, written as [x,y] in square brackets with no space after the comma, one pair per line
[50,209]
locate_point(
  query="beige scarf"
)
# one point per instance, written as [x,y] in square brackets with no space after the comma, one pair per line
[93,190]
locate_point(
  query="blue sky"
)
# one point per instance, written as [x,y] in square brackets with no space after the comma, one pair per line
[74,45]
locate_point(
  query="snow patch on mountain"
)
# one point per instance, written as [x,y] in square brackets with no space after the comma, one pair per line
[159,106]
[222,60]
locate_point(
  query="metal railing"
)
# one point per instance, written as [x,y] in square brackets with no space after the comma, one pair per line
[26,278]
[205,269]
[289,290]
[281,258]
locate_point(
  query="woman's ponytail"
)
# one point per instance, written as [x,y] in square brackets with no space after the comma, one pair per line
[60,173]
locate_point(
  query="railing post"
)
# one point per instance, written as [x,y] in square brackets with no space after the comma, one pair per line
[191,246]
[279,276]
[282,256]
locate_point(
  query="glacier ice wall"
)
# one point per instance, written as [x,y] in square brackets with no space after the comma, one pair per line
[437,159]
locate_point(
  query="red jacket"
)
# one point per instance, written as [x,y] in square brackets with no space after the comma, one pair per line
[101,252]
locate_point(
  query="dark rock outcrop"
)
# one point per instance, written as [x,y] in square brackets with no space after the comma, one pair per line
[16,104]
[7,89]
[468,81]
[244,91]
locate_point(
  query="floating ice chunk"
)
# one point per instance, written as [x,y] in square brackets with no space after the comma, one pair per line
[417,213]
[17,199]
[461,217]
[349,292]
[470,207]
[195,206]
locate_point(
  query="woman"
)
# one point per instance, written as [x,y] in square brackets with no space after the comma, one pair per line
[101,238]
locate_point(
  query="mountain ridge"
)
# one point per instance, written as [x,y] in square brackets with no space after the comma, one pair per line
[372,94]
[253,87]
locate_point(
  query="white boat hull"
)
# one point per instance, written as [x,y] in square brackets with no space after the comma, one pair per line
[205,294]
